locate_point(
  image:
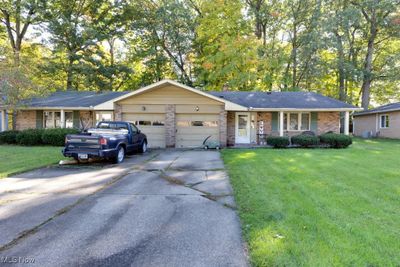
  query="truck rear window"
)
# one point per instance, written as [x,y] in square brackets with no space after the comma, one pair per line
[113,126]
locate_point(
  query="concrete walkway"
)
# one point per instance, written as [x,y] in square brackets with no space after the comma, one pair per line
[164,208]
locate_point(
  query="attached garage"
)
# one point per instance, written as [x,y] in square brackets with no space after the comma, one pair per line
[173,115]
[152,124]
[192,129]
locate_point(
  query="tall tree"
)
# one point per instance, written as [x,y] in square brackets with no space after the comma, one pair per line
[17,16]
[229,51]
[376,14]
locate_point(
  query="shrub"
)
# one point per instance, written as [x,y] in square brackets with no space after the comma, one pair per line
[30,137]
[305,140]
[56,137]
[278,141]
[8,137]
[336,140]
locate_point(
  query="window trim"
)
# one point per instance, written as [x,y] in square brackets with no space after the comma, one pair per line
[299,121]
[387,119]
[52,114]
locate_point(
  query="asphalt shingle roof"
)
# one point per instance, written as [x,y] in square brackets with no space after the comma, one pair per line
[73,99]
[298,100]
[384,108]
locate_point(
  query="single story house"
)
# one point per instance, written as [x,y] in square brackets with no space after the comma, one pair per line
[383,121]
[175,115]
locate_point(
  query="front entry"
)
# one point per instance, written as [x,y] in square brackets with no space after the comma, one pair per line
[242,129]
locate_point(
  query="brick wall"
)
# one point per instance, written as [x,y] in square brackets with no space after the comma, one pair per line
[26,119]
[328,121]
[170,125]
[86,119]
[230,121]
[223,127]
[117,112]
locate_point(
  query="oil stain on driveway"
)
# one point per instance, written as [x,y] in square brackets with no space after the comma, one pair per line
[167,208]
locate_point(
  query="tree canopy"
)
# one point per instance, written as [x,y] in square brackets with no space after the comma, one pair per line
[349,50]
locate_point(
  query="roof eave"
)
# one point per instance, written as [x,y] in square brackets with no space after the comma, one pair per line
[303,109]
[375,112]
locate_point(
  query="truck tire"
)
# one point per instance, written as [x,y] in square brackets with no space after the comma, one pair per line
[143,147]
[120,155]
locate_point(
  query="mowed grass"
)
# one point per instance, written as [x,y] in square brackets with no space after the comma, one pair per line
[319,207]
[16,159]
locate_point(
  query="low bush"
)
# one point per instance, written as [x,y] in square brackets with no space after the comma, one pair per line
[8,137]
[56,137]
[30,137]
[278,141]
[305,140]
[336,140]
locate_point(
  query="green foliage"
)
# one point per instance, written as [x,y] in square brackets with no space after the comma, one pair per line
[336,140]
[30,137]
[278,141]
[305,140]
[8,137]
[36,137]
[56,137]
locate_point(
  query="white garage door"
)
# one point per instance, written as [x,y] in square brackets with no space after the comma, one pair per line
[192,129]
[152,125]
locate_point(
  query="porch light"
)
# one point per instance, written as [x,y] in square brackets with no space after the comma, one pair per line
[197,108]
[143,108]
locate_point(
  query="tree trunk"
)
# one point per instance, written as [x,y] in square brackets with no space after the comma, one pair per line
[367,78]
[70,74]
[294,56]
[341,70]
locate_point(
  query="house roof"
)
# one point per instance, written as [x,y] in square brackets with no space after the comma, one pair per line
[234,100]
[72,99]
[381,109]
[283,100]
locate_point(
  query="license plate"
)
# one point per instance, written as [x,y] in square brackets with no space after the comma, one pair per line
[83,156]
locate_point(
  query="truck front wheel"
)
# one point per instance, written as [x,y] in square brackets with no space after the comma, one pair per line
[120,155]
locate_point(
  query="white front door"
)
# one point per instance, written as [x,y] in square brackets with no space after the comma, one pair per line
[242,130]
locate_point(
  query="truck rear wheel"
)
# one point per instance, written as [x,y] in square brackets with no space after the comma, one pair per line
[143,147]
[120,155]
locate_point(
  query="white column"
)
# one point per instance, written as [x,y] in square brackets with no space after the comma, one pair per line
[62,119]
[346,122]
[281,123]
[3,120]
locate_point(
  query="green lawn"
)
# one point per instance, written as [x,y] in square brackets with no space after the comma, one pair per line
[319,207]
[15,159]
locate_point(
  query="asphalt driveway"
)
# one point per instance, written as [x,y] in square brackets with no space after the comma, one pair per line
[164,208]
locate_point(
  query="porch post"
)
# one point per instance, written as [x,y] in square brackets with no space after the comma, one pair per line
[346,122]
[62,119]
[281,123]
[3,121]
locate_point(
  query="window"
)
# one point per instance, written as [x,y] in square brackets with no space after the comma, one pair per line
[197,123]
[143,123]
[104,116]
[296,121]
[52,119]
[384,121]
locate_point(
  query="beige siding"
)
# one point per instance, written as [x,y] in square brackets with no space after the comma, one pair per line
[363,124]
[134,108]
[169,95]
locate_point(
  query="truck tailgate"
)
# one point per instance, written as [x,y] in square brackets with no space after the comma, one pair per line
[83,143]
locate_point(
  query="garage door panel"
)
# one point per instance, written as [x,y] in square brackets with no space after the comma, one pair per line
[197,117]
[193,136]
[143,117]
[197,130]
[155,133]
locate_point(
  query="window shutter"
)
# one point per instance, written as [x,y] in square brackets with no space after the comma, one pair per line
[76,120]
[314,121]
[39,119]
[274,121]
